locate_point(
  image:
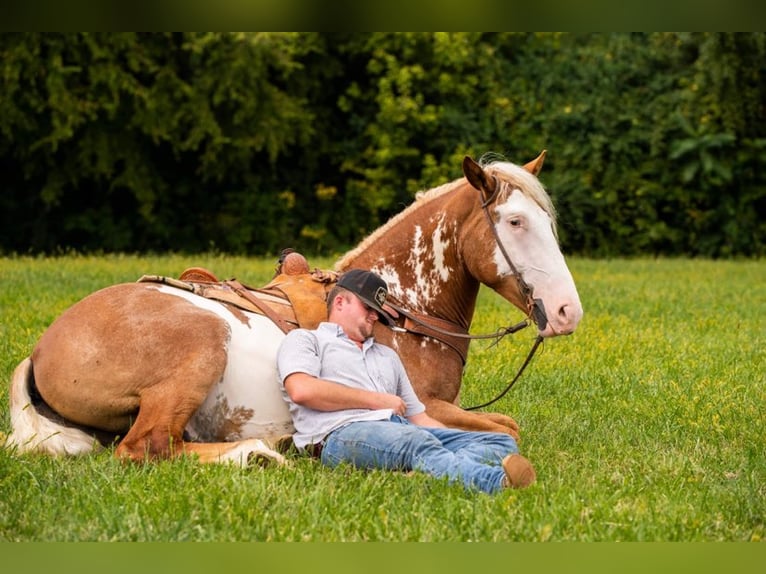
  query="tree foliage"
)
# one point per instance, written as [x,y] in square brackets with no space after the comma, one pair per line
[251,142]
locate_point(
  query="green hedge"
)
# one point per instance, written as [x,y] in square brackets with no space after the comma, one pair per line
[247,143]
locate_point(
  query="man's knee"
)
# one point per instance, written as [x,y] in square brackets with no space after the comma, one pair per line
[416,438]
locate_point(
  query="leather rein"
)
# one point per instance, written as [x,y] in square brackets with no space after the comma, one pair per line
[535,312]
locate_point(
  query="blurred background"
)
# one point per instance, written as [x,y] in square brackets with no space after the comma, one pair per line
[247,143]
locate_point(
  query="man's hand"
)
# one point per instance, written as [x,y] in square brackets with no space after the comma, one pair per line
[393,402]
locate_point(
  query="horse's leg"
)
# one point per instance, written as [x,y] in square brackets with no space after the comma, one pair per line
[242,453]
[162,417]
[166,406]
[501,419]
[455,417]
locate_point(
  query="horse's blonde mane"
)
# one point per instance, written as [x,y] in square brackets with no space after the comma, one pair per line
[516,177]
[421,198]
[512,175]
[429,194]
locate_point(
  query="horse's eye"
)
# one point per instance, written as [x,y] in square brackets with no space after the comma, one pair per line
[515,222]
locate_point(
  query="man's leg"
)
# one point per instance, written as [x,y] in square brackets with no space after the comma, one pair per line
[482,447]
[403,446]
[490,448]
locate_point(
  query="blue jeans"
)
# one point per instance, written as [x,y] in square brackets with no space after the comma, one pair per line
[469,457]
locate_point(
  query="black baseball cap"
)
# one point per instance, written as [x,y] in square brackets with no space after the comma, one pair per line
[370,288]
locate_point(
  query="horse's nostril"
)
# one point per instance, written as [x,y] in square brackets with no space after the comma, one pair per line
[569,315]
[566,315]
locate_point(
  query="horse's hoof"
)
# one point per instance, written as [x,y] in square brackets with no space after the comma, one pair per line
[261,455]
[285,444]
[259,459]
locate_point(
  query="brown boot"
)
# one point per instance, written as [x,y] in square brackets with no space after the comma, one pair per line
[519,472]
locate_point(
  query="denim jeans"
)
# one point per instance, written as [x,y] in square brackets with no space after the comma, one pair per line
[469,457]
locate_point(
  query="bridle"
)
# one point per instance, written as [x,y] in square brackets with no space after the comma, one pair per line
[535,308]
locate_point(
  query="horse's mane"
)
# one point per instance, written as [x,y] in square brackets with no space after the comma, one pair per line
[514,176]
[421,198]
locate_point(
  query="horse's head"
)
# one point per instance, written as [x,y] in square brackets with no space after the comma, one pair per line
[521,259]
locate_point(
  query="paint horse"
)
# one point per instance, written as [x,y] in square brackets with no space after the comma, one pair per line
[162,371]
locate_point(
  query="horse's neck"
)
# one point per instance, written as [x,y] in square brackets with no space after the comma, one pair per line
[417,253]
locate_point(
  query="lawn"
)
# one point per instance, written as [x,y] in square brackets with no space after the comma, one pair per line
[647,424]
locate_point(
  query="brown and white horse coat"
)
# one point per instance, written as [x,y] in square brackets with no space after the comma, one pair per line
[165,371]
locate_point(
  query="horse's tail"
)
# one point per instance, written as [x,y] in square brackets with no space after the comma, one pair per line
[34,432]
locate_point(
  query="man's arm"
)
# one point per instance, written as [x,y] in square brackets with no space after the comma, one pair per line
[425,420]
[322,395]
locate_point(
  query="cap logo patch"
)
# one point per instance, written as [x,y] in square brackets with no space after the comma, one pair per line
[380,296]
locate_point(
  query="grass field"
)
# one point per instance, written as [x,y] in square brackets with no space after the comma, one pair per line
[647,424]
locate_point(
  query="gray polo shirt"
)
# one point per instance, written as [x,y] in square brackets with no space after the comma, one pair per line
[327,353]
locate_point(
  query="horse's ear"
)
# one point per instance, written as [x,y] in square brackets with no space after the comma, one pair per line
[478,178]
[536,164]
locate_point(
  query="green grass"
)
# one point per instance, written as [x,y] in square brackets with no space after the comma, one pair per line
[647,424]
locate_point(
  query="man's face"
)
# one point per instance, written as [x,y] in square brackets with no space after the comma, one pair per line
[355,316]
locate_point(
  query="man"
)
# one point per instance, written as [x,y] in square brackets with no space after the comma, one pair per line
[351,401]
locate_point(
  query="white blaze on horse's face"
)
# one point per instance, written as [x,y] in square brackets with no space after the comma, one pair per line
[526,232]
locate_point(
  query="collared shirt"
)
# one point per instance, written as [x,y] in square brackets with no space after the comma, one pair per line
[327,353]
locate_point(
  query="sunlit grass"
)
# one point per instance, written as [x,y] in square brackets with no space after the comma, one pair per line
[646,424]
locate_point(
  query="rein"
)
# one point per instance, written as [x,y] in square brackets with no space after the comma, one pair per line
[499,334]
[531,354]
[502,332]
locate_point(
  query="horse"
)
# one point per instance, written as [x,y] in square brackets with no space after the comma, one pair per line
[158,371]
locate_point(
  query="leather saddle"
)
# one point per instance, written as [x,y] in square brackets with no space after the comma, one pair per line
[295,297]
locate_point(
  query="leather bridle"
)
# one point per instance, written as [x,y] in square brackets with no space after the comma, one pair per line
[535,307]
